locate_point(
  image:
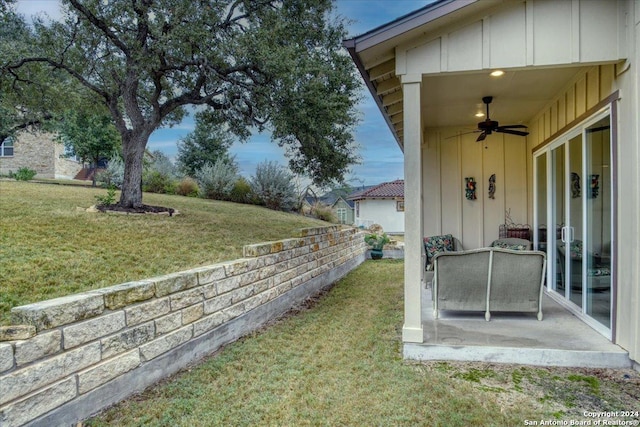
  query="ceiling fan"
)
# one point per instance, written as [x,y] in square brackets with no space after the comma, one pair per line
[489,126]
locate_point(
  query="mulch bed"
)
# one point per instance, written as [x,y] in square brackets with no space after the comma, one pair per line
[143,209]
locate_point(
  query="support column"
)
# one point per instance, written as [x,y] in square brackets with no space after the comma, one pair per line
[413,267]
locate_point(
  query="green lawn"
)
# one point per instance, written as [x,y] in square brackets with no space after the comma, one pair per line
[338,363]
[50,246]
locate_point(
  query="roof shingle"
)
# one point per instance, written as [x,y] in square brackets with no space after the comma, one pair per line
[385,190]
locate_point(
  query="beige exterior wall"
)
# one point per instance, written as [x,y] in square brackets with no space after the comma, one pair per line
[40,152]
[521,34]
[64,168]
[448,159]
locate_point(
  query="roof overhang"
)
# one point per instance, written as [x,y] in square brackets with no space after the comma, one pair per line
[452,94]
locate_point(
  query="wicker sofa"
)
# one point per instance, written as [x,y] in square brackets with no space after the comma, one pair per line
[489,279]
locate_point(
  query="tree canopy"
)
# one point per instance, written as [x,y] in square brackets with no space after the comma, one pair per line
[208,143]
[89,136]
[24,101]
[272,65]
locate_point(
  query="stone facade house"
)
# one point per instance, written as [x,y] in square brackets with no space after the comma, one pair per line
[38,151]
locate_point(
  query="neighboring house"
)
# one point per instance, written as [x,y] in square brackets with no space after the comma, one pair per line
[571,74]
[344,210]
[382,204]
[38,151]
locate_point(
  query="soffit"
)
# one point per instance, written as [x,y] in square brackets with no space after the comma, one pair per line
[453,99]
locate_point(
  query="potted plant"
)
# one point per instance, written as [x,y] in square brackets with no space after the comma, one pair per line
[376,242]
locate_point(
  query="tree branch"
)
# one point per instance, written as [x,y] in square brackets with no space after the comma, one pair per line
[58,65]
[101,25]
[24,125]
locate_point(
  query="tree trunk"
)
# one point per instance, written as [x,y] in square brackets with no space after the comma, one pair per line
[95,170]
[133,152]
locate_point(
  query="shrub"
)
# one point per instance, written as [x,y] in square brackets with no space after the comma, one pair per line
[159,174]
[114,174]
[24,174]
[108,199]
[162,164]
[157,182]
[217,180]
[187,187]
[241,191]
[273,185]
[323,212]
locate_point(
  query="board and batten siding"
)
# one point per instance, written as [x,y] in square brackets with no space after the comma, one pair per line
[448,159]
[523,34]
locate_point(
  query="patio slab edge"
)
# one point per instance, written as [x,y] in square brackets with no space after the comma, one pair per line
[519,356]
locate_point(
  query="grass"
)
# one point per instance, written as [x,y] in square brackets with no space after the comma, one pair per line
[338,363]
[50,246]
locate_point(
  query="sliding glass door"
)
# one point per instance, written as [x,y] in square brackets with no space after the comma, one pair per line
[598,215]
[574,219]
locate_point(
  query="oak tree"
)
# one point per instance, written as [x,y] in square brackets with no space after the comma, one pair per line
[273,65]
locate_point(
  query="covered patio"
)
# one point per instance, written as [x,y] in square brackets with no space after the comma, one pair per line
[561,339]
[555,147]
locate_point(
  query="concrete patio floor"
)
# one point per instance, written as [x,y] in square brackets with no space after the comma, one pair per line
[560,339]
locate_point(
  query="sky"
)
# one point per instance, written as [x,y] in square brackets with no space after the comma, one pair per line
[381,158]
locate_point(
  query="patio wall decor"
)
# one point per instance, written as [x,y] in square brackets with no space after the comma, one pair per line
[470,186]
[90,350]
[595,186]
[492,186]
[575,185]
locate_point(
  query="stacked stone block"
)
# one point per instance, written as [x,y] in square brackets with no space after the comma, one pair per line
[64,350]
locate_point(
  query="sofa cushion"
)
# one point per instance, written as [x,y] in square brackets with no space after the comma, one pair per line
[598,271]
[435,244]
[506,245]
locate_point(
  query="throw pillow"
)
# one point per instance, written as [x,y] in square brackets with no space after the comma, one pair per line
[435,244]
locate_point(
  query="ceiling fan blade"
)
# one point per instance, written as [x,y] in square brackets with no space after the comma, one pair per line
[513,132]
[512,127]
[481,137]
[463,133]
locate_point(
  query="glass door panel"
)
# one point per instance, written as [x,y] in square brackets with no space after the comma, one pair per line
[541,204]
[566,215]
[573,234]
[598,218]
[559,189]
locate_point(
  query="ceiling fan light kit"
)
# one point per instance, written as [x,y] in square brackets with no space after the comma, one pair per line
[488,126]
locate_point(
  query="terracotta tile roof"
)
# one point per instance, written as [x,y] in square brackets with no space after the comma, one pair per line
[386,190]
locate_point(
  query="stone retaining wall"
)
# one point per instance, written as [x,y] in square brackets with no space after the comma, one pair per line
[93,349]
